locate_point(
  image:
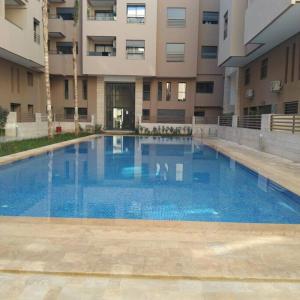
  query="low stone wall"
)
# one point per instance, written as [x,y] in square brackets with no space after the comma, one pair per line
[205,130]
[284,144]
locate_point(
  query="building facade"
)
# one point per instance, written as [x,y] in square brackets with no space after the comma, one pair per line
[139,61]
[21,57]
[259,46]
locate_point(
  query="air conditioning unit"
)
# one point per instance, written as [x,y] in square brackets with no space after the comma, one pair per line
[276,86]
[249,94]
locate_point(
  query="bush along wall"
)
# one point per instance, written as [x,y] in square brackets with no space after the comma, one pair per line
[3,119]
[165,131]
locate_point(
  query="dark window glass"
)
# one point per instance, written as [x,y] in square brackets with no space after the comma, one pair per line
[146,91]
[264,69]
[29,78]
[66,82]
[159,91]
[85,89]
[225,33]
[200,113]
[247,76]
[291,108]
[66,13]
[210,52]
[210,17]
[171,116]
[205,87]
[146,114]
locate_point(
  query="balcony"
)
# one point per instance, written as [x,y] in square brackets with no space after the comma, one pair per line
[61,64]
[101,46]
[56,27]
[101,10]
[15,3]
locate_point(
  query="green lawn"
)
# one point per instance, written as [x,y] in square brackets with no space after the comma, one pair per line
[19,146]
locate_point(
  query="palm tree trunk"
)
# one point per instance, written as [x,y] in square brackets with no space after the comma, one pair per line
[76,116]
[47,73]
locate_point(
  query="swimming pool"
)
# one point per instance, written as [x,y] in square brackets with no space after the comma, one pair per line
[143,178]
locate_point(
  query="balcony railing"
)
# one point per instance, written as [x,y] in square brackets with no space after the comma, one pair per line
[102,17]
[70,118]
[175,57]
[27,117]
[136,20]
[250,122]
[225,121]
[36,37]
[206,120]
[289,123]
[176,22]
[96,53]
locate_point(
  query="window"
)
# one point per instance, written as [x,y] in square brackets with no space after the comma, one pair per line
[293,62]
[18,81]
[264,68]
[66,90]
[247,76]
[146,114]
[29,79]
[30,109]
[225,33]
[136,13]
[66,13]
[182,91]
[146,91]
[135,49]
[291,108]
[159,91]
[176,17]
[64,47]
[175,52]
[84,89]
[104,49]
[287,58]
[205,87]
[176,116]
[168,91]
[36,31]
[209,52]
[210,17]
[200,113]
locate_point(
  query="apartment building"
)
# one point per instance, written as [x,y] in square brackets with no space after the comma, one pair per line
[259,45]
[21,57]
[140,60]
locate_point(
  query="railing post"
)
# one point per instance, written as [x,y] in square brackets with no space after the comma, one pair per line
[266,121]
[235,120]
[294,124]
[218,121]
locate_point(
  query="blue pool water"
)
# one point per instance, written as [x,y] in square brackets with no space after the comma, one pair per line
[143,178]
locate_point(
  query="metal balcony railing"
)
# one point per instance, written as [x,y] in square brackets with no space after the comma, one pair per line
[27,117]
[138,20]
[288,123]
[225,121]
[36,37]
[250,122]
[96,53]
[102,17]
[70,118]
[175,57]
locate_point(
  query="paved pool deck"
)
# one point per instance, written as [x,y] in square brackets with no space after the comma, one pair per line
[125,259]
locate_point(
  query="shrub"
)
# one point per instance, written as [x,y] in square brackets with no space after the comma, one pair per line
[98,128]
[3,118]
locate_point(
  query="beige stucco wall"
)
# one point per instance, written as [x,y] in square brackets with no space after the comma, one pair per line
[20,93]
[187,35]
[58,96]
[276,71]
[234,44]
[18,38]
[188,105]
[119,64]
[260,14]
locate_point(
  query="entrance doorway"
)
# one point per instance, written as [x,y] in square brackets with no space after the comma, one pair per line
[120,106]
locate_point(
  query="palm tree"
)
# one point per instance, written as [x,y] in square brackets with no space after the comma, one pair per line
[46,61]
[74,50]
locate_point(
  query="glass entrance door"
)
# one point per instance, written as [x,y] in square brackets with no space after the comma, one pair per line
[120,106]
